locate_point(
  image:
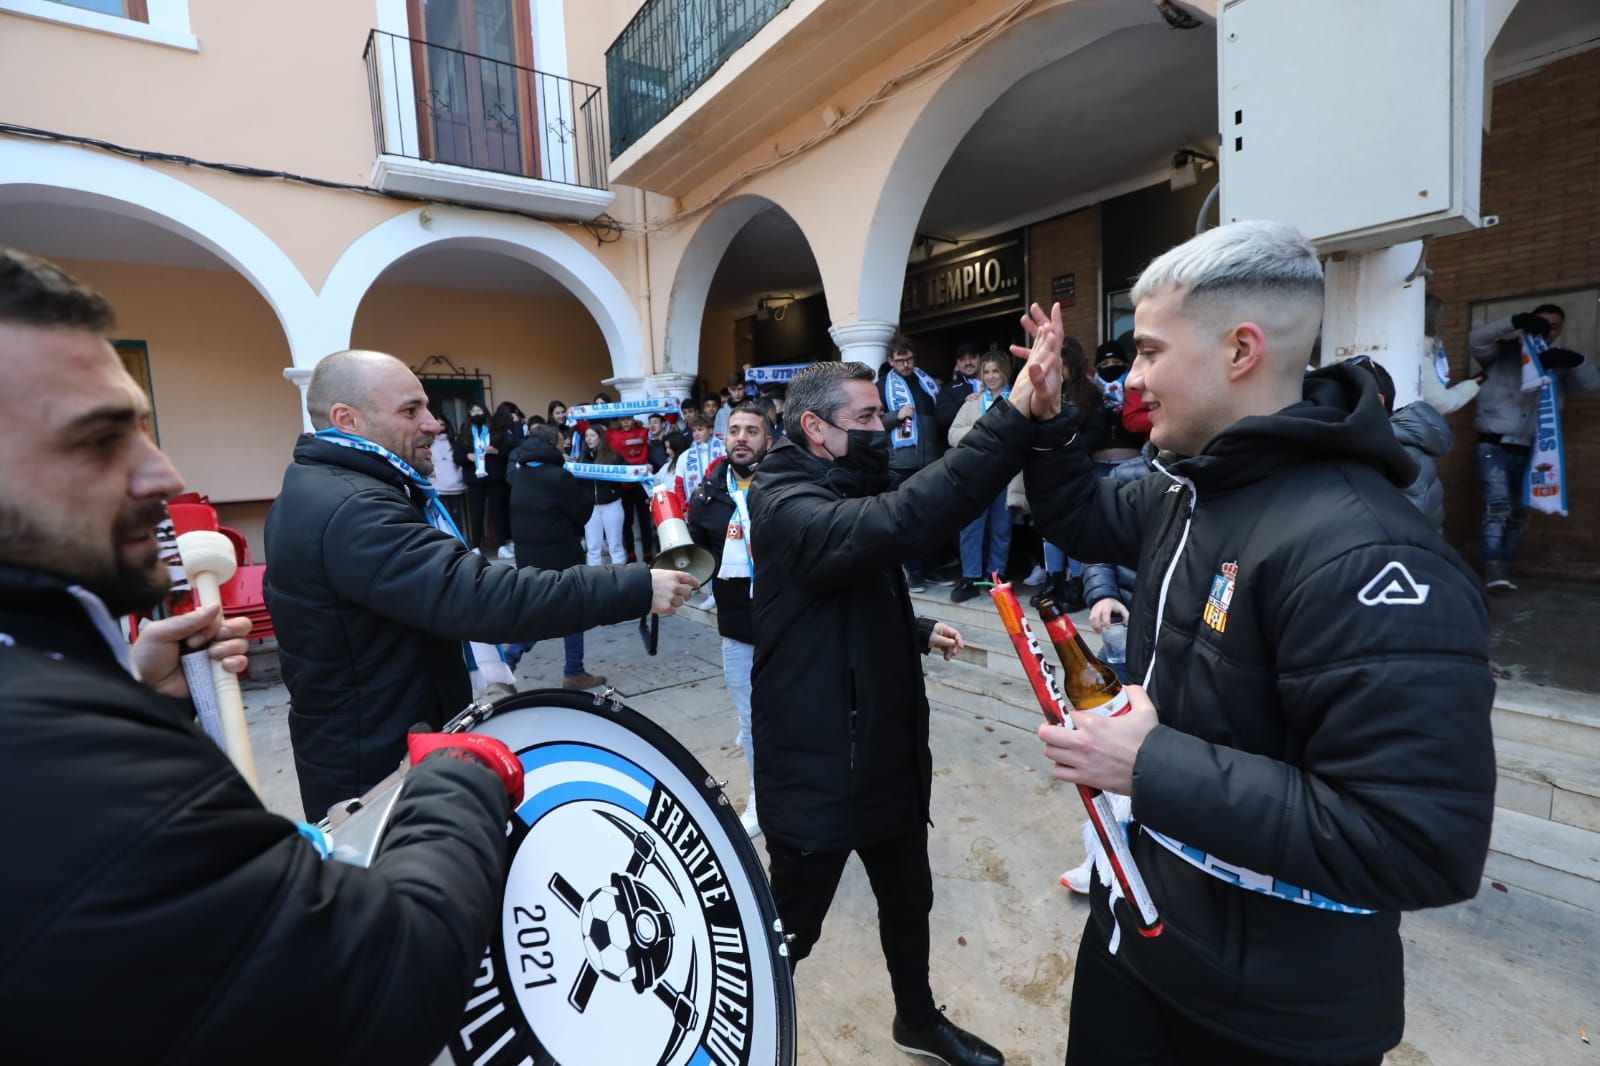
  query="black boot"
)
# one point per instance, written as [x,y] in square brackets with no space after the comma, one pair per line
[1072,595]
[1050,590]
[944,1041]
[963,591]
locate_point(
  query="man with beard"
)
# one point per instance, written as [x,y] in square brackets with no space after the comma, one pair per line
[382,613]
[719,520]
[840,712]
[962,384]
[152,903]
[1309,754]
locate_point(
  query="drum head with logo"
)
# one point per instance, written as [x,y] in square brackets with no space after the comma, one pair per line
[637,925]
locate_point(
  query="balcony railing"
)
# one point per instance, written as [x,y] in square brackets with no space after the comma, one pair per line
[668,51]
[443,105]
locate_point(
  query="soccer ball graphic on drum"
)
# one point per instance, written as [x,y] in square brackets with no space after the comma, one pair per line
[628,937]
[627,933]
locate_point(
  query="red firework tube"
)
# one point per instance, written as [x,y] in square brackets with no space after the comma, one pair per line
[1052,702]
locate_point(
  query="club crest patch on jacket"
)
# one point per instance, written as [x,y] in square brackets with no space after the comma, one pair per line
[1221,596]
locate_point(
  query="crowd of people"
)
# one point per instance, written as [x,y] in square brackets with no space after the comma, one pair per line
[1302,759]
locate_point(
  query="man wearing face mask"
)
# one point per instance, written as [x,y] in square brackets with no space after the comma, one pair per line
[472,451]
[840,715]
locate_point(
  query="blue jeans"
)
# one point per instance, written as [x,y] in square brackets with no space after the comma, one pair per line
[991,529]
[574,654]
[1503,468]
[737,659]
[1055,561]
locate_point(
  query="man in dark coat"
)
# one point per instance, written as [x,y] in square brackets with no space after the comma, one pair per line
[719,521]
[840,712]
[963,383]
[372,600]
[549,508]
[1310,753]
[910,398]
[151,903]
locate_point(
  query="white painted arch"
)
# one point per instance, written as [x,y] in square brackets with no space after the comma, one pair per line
[538,244]
[65,174]
[954,108]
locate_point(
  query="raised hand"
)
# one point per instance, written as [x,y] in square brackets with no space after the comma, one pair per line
[1037,392]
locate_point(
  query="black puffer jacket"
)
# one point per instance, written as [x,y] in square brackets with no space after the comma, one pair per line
[839,711]
[1330,729]
[710,511]
[549,508]
[371,603]
[151,904]
[1423,432]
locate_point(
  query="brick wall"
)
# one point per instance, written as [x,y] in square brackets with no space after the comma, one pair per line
[1541,175]
[1069,244]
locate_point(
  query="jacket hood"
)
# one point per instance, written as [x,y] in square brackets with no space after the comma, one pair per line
[1420,425]
[537,451]
[1340,417]
[787,463]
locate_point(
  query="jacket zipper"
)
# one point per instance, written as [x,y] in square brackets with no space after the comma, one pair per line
[1172,567]
[852,721]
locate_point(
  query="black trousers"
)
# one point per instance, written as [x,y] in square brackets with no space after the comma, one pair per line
[477,497]
[803,884]
[499,494]
[636,508]
[1116,1021]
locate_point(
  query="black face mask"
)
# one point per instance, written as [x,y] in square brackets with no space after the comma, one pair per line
[866,454]
[1111,371]
[479,419]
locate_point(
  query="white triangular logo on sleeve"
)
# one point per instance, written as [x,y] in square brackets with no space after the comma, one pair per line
[1394,585]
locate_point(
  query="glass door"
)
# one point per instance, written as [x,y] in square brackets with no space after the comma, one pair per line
[475,104]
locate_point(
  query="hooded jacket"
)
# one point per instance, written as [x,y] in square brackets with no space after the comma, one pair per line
[371,603]
[710,510]
[1318,659]
[839,709]
[153,907]
[1504,410]
[549,507]
[1424,433]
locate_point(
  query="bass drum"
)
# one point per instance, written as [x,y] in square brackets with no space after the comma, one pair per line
[637,925]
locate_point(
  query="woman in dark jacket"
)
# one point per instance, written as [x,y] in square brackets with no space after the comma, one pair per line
[605,523]
[505,434]
[549,509]
[472,448]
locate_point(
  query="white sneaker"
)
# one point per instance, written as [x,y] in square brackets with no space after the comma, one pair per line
[1077,878]
[507,551]
[706,602]
[1036,577]
[752,827]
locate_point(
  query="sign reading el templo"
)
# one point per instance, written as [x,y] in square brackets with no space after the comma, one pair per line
[966,284]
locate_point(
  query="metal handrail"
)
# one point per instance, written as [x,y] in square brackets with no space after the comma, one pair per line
[667,51]
[448,105]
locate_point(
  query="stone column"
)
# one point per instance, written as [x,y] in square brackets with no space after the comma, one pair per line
[863,342]
[629,388]
[677,386]
[300,378]
[1373,310]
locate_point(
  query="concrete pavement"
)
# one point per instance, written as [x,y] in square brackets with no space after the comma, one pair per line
[1509,977]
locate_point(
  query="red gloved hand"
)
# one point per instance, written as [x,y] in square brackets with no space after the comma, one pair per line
[485,750]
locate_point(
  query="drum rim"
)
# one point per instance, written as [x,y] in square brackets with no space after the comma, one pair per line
[609,705]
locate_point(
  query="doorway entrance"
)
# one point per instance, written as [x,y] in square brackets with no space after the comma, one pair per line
[472,63]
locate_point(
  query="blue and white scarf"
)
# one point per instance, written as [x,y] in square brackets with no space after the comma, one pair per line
[480,448]
[656,405]
[773,375]
[485,662]
[737,559]
[986,400]
[1115,392]
[898,392]
[611,472]
[698,460]
[1545,486]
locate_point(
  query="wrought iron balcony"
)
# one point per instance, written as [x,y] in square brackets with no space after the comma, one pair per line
[443,105]
[668,51]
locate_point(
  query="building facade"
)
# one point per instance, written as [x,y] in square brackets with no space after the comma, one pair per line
[530,198]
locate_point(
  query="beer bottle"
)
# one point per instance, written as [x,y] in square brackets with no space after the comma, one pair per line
[1090,684]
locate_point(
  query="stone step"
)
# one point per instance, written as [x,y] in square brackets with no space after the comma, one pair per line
[1554,718]
[1547,783]
[1545,857]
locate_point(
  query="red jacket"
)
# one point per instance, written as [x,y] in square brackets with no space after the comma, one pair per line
[1135,415]
[632,444]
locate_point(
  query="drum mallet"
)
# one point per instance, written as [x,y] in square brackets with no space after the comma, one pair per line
[208,560]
